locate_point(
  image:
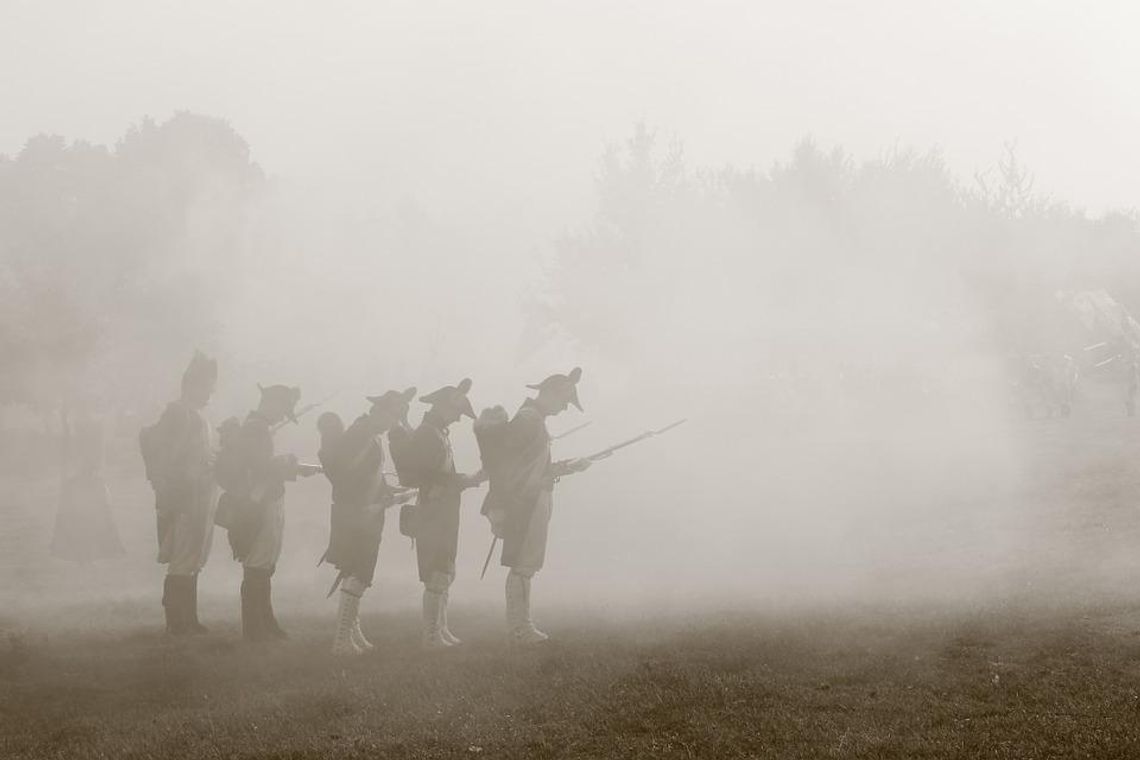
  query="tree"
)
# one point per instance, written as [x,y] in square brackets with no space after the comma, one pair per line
[109,257]
[820,262]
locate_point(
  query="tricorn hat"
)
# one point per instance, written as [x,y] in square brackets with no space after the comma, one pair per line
[453,394]
[396,400]
[286,395]
[202,369]
[567,384]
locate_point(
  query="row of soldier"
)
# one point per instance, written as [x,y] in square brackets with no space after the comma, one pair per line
[186,473]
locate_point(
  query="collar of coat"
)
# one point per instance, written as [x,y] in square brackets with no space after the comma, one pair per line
[531,403]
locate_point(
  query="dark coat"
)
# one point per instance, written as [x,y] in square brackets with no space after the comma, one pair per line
[437,510]
[179,465]
[354,464]
[526,474]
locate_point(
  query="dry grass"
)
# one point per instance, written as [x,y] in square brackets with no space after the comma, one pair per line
[861,684]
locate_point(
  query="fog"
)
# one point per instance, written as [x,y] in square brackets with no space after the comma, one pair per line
[818,234]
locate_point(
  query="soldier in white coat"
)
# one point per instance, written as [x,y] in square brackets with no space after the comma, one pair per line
[178,458]
[521,495]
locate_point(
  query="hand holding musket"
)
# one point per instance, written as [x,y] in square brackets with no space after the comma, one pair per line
[570,466]
[306,470]
[392,497]
[474,480]
[291,469]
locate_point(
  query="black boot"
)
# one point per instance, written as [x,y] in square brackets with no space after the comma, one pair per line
[252,618]
[192,624]
[173,605]
[272,629]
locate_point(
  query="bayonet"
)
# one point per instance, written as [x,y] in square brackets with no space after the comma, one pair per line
[571,431]
[637,439]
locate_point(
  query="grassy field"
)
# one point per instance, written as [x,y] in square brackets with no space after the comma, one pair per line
[867,683]
[1045,662]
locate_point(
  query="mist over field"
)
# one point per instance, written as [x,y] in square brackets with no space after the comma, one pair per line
[860,281]
[832,288]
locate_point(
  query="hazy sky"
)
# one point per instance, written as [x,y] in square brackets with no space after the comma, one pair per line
[493,117]
[454,101]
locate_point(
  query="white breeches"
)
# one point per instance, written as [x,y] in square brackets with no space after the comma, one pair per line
[266,549]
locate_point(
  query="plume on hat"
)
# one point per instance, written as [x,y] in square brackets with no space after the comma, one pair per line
[567,384]
[455,395]
[202,369]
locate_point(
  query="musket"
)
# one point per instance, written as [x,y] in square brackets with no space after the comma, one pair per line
[593,458]
[637,439]
[398,497]
[571,431]
[302,412]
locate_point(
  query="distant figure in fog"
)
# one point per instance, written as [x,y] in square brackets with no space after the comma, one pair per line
[252,507]
[429,465]
[522,493]
[178,457]
[84,528]
[353,461]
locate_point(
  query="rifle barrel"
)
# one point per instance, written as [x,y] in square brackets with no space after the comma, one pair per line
[670,426]
[636,439]
[622,445]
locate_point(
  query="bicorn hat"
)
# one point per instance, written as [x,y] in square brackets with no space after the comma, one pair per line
[455,395]
[396,400]
[286,395]
[567,384]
